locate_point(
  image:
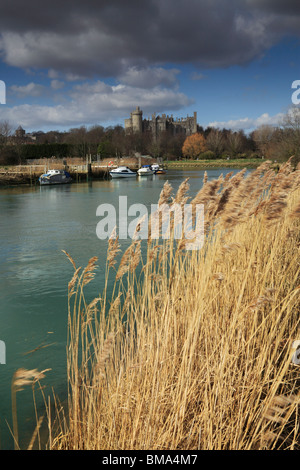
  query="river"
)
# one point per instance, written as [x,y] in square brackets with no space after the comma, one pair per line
[36,224]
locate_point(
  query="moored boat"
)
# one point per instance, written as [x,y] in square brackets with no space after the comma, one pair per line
[145,171]
[122,172]
[157,169]
[55,177]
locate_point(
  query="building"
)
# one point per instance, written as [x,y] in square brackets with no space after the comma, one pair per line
[20,133]
[158,124]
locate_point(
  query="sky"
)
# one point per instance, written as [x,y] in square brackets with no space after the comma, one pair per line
[73,63]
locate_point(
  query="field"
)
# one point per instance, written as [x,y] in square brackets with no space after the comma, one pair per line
[195,348]
[215,163]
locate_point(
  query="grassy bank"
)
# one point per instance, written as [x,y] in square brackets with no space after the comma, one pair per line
[196,351]
[219,163]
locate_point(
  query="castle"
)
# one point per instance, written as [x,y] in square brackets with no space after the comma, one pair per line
[158,124]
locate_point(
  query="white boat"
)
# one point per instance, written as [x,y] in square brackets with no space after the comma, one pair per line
[157,169]
[145,171]
[55,177]
[122,172]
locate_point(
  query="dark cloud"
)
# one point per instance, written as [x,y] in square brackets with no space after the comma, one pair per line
[150,77]
[282,7]
[110,38]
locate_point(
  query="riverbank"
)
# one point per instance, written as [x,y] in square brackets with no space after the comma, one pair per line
[29,175]
[220,163]
[79,169]
[82,172]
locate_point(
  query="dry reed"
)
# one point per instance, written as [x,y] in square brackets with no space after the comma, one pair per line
[198,356]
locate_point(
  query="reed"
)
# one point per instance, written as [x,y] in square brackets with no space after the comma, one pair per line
[22,378]
[193,351]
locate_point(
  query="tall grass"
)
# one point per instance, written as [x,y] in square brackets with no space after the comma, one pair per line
[194,352]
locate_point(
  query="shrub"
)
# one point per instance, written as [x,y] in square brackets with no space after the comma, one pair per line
[8,155]
[208,155]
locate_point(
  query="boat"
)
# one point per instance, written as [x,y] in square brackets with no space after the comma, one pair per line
[157,169]
[145,171]
[55,177]
[122,172]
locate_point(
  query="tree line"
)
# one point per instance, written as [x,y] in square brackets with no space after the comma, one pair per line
[277,143]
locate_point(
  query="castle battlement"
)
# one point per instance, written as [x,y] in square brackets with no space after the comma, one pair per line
[158,124]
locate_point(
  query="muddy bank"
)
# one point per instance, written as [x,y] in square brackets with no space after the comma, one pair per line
[14,178]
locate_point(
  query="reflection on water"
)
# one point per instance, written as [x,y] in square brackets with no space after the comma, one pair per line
[36,224]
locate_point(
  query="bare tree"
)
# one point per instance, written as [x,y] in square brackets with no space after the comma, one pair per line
[5,131]
[291,120]
[215,141]
[264,138]
[235,142]
[291,134]
[78,138]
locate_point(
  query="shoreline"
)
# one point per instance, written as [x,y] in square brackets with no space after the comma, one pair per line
[26,175]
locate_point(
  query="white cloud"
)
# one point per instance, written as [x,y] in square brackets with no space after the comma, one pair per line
[198,76]
[249,123]
[31,89]
[84,89]
[92,103]
[69,77]
[57,84]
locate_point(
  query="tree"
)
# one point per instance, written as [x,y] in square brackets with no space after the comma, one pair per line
[105,149]
[264,138]
[78,138]
[5,131]
[215,141]
[9,155]
[291,133]
[235,142]
[193,146]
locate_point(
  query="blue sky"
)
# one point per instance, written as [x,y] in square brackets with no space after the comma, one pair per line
[90,63]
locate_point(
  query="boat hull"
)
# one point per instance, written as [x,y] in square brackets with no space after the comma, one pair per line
[120,175]
[145,173]
[50,183]
[145,170]
[47,180]
[122,172]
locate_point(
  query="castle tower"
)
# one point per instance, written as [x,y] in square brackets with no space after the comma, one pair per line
[20,133]
[136,119]
[195,123]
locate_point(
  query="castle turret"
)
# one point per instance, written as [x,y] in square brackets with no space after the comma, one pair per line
[195,123]
[159,124]
[136,118]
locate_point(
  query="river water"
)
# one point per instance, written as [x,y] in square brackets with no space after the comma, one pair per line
[36,224]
